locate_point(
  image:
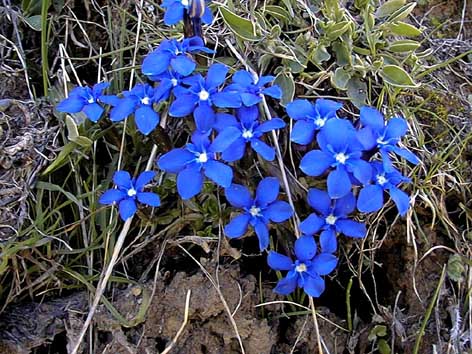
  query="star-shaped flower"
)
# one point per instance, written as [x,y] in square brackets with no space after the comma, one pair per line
[175,10]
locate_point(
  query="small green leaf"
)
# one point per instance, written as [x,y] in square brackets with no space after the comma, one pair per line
[455,268]
[278,12]
[340,79]
[320,54]
[240,26]
[335,31]
[61,159]
[71,128]
[286,83]
[396,76]
[384,348]
[404,29]
[389,8]
[357,91]
[34,22]
[402,12]
[403,46]
[377,331]
[343,54]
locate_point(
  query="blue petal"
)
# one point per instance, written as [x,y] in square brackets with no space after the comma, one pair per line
[300,109]
[264,80]
[370,199]
[319,200]
[351,228]
[278,211]
[238,226]
[235,151]
[273,91]
[149,198]
[226,100]
[123,109]
[174,13]
[243,78]
[155,63]
[314,285]
[395,129]
[111,100]
[93,111]
[219,173]
[367,138]
[112,196]
[225,139]
[216,75]
[99,88]
[371,117]
[175,160]
[328,241]
[183,65]
[267,191]
[339,183]
[122,179]
[312,224]
[303,132]
[71,105]
[250,99]
[247,115]
[265,151]
[338,133]
[143,179]
[204,117]
[183,106]
[327,108]
[324,263]
[268,126]
[146,119]
[407,155]
[238,196]
[305,248]
[401,199]
[279,261]
[288,284]
[189,182]
[262,233]
[224,120]
[315,162]
[207,17]
[127,208]
[345,205]
[361,170]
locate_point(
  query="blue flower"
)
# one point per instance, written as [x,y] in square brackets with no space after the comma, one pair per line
[385,136]
[332,219]
[196,160]
[371,197]
[174,54]
[129,191]
[341,150]
[310,118]
[202,95]
[250,130]
[175,11]
[258,211]
[169,81]
[84,99]
[252,91]
[138,101]
[306,271]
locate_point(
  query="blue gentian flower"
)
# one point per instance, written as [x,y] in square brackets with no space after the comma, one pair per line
[169,81]
[129,191]
[310,118]
[306,271]
[174,54]
[196,160]
[376,133]
[252,90]
[341,150]
[258,211]
[175,12]
[250,132]
[332,218]
[138,101]
[202,94]
[371,197]
[84,99]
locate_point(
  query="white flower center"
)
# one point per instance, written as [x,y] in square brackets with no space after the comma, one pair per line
[255,211]
[203,95]
[301,268]
[381,142]
[320,122]
[341,158]
[131,192]
[145,100]
[331,219]
[247,134]
[202,158]
[185,2]
[381,179]
[174,82]
[91,100]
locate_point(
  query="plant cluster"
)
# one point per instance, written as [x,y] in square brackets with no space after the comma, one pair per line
[354,156]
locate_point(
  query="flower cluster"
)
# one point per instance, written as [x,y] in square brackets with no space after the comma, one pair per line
[355,159]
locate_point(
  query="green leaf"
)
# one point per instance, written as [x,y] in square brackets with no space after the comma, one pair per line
[335,31]
[357,91]
[278,12]
[286,83]
[340,79]
[71,128]
[320,54]
[396,76]
[403,46]
[402,12]
[377,331]
[343,54]
[61,159]
[455,268]
[240,26]
[384,348]
[404,29]
[34,22]
[389,8]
